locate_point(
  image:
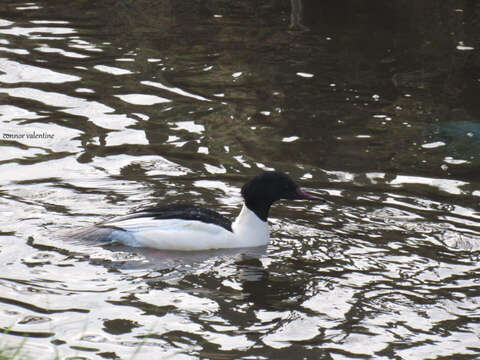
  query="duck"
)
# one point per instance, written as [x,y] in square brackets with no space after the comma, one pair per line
[187,227]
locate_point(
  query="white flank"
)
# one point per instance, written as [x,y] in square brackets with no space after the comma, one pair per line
[188,235]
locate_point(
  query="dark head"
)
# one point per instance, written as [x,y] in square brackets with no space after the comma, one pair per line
[264,189]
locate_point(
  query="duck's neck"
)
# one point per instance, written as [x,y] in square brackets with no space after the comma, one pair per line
[250,228]
[259,207]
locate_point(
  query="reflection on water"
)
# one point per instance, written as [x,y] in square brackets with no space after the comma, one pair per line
[113,108]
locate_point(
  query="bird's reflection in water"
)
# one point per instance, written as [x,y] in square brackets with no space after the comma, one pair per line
[126,257]
[260,285]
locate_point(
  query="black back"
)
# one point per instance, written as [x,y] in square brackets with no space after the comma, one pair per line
[184,212]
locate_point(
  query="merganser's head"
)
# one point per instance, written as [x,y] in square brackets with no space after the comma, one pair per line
[264,189]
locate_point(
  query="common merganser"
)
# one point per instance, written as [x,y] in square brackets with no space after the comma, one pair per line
[189,227]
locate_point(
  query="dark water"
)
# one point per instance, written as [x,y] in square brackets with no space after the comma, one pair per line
[373,103]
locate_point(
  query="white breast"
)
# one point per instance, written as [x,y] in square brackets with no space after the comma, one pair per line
[250,230]
[187,235]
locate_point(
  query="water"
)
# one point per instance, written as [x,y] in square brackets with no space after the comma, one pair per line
[125,104]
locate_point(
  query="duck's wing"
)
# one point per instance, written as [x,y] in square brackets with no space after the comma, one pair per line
[172,212]
[174,227]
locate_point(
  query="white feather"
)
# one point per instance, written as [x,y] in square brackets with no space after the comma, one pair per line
[187,235]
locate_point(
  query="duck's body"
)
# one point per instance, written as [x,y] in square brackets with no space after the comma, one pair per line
[188,227]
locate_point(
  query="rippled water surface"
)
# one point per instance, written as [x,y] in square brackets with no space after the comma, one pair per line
[115,105]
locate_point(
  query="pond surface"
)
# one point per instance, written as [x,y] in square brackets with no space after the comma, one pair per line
[115,105]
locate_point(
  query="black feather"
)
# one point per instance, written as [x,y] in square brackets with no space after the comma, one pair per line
[183,212]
